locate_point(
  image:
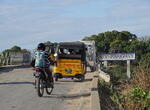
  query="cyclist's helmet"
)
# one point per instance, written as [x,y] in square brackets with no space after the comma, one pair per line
[41,46]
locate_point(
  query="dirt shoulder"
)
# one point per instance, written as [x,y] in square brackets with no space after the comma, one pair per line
[80,94]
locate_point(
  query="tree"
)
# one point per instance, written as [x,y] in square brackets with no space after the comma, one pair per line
[147,43]
[6,51]
[117,45]
[108,41]
[16,49]
[145,61]
[24,51]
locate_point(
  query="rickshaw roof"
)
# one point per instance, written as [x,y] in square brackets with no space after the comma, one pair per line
[71,45]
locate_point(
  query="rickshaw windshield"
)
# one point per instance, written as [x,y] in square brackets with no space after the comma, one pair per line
[71,51]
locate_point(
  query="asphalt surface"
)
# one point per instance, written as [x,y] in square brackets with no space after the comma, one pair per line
[17,91]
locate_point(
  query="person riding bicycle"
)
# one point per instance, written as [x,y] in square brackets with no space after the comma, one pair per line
[41,61]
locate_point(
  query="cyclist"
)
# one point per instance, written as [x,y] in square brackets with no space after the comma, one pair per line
[41,61]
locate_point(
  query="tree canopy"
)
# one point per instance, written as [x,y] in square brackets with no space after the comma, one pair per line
[111,41]
[15,49]
[124,41]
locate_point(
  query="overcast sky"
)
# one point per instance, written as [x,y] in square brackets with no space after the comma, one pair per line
[28,22]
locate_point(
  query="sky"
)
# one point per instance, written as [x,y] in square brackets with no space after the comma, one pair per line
[28,22]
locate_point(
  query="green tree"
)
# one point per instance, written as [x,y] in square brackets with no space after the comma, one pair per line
[145,61]
[16,49]
[147,43]
[24,50]
[117,45]
[108,41]
[6,51]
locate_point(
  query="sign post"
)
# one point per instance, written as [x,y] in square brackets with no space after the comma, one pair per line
[105,63]
[128,69]
[119,57]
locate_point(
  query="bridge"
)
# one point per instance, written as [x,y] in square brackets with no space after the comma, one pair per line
[18,92]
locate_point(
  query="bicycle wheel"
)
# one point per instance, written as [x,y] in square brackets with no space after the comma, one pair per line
[40,87]
[49,88]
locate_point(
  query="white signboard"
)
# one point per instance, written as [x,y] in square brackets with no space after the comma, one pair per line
[117,56]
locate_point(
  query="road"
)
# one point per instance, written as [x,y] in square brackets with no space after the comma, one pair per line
[18,93]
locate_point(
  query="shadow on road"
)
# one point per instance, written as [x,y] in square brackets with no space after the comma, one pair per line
[87,80]
[76,80]
[4,70]
[11,68]
[94,89]
[96,76]
[68,96]
[16,83]
[88,72]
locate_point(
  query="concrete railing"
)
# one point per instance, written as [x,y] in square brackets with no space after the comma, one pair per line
[95,101]
[104,76]
[14,58]
[95,98]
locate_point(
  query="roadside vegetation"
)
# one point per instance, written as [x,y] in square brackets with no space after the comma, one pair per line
[15,49]
[123,93]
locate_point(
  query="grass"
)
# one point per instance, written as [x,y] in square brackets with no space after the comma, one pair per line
[105,96]
[125,94]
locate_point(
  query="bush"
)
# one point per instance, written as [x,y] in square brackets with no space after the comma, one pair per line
[136,93]
[118,71]
[142,78]
[140,96]
[145,61]
[133,94]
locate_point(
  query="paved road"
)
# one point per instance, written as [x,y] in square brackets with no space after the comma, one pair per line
[17,92]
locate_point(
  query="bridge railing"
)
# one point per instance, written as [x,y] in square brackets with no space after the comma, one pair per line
[15,58]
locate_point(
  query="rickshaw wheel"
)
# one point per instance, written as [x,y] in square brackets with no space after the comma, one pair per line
[82,78]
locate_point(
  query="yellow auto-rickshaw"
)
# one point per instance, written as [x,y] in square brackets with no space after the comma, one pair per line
[70,60]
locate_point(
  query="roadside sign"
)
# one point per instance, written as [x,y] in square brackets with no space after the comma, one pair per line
[117,56]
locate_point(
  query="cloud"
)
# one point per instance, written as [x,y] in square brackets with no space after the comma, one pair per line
[131,9]
[28,22]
